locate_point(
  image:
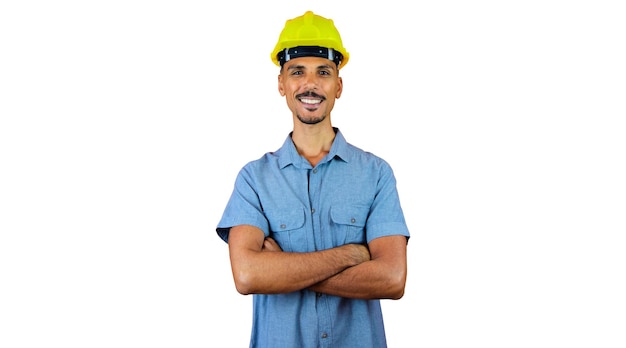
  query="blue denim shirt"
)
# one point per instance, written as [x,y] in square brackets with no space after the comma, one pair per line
[350,196]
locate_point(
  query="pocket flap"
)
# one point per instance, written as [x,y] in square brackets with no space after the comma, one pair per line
[349,215]
[285,219]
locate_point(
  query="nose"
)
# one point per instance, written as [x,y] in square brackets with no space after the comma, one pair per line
[310,81]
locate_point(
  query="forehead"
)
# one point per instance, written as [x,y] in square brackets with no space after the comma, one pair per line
[310,63]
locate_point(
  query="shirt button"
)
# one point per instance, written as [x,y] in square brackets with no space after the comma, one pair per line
[324,335]
[319,294]
[312,210]
[353,220]
[315,171]
[283,226]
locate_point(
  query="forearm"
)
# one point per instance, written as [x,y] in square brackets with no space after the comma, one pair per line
[383,277]
[368,280]
[258,269]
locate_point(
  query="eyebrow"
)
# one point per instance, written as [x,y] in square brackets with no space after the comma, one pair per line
[298,67]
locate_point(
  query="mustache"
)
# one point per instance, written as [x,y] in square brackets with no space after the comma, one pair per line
[310,94]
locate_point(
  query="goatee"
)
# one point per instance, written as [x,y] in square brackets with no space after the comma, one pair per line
[311,120]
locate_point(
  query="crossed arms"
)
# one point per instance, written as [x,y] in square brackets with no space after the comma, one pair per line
[376,271]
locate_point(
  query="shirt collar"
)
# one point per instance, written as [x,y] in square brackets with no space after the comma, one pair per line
[288,154]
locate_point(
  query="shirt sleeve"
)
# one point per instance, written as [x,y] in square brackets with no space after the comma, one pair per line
[386,216]
[243,207]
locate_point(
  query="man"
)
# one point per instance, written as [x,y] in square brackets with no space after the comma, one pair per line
[315,230]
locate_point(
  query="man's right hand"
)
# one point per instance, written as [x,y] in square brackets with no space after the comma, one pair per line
[269,244]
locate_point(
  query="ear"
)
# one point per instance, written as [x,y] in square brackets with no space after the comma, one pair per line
[281,88]
[339,87]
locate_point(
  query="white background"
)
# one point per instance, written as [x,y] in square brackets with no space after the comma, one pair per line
[124,123]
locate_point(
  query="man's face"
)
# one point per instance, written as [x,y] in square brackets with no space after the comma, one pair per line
[310,85]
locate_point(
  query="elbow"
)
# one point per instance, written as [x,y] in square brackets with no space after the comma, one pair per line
[243,283]
[397,283]
[242,289]
[397,294]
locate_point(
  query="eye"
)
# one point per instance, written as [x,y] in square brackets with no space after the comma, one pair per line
[296,72]
[324,72]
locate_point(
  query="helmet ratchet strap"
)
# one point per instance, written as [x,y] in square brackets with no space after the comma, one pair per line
[309,51]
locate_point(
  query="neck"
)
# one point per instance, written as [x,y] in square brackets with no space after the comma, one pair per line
[313,143]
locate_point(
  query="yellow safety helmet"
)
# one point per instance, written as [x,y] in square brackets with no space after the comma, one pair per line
[310,35]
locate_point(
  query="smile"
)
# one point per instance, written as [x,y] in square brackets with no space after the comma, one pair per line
[310,101]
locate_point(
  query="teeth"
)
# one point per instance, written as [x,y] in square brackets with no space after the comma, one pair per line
[310,101]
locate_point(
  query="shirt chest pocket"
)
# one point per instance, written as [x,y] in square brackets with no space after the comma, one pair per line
[348,224]
[287,228]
